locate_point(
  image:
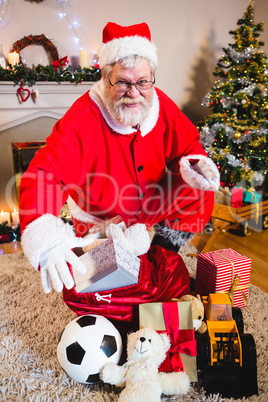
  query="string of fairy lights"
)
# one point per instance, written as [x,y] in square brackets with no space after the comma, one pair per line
[64,13]
[3,11]
[72,23]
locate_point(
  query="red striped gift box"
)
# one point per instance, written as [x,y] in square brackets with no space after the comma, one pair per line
[224,271]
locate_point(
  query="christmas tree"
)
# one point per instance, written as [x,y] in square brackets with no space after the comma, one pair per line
[235,133]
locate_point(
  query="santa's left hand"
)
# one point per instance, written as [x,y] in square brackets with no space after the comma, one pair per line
[207,168]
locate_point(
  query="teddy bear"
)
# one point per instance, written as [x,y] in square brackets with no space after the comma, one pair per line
[146,350]
[135,238]
[198,312]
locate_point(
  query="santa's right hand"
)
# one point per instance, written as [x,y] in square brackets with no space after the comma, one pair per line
[54,268]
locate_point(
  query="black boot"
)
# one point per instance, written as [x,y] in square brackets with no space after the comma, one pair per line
[170,239]
[161,241]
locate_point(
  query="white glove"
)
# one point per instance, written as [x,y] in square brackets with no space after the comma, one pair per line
[53,263]
[207,168]
[203,175]
[135,238]
[138,236]
[117,233]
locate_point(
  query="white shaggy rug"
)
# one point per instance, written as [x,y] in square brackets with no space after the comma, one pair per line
[30,326]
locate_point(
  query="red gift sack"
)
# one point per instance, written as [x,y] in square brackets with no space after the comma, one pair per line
[163,276]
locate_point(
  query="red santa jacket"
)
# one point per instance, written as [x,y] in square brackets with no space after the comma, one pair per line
[106,171]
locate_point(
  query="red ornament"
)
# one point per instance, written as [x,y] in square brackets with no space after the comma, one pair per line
[5,238]
[23,94]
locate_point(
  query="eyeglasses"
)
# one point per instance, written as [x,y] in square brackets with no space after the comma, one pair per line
[123,86]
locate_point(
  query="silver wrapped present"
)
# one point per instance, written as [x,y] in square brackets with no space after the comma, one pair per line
[109,265]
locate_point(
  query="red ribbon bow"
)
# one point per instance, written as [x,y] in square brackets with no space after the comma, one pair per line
[182,341]
[60,63]
[237,204]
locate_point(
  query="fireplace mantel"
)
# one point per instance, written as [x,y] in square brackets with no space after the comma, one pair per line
[53,101]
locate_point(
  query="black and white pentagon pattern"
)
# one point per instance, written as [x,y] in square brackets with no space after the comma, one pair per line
[86,320]
[75,353]
[108,345]
[86,344]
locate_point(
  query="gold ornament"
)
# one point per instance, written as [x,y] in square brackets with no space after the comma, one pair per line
[237,135]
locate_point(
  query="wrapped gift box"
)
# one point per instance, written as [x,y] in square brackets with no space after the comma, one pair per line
[176,319]
[109,266]
[251,196]
[224,271]
[237,198]
[223,196]
[248,195]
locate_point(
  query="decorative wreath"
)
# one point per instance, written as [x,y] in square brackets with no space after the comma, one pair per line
[37,40]
[57,70]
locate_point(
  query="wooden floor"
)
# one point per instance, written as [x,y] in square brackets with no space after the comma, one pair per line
[254,246]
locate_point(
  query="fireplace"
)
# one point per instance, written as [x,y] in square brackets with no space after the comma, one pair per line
[24,128]
[23,153]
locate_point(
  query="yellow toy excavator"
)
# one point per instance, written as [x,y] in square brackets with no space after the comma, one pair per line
[225,355]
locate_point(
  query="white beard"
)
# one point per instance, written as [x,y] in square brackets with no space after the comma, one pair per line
[127,116]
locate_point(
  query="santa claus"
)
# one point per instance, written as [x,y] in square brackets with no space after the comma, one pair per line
[124,148]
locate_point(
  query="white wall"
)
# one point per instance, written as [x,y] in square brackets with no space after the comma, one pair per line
[189,35]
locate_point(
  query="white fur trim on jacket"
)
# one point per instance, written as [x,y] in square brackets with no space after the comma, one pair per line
[120,48]
[41,234]
[80,215]
[196,180]
[97,94]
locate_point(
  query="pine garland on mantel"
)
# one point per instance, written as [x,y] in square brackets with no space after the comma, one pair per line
[40,73]
[56,72]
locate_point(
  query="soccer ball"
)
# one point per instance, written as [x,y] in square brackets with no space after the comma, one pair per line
[86,344]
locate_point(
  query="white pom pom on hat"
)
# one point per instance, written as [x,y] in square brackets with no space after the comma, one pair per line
[120,42]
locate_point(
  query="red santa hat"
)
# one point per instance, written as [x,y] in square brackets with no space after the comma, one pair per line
[120,42]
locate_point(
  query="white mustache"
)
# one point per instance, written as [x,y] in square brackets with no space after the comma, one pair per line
[125,100]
